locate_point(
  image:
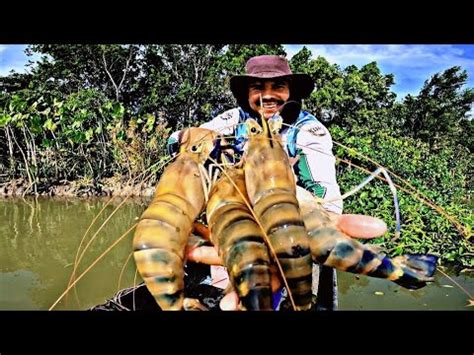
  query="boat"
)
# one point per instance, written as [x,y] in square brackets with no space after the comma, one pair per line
[198,285]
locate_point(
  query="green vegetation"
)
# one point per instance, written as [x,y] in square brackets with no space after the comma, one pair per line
[88,113]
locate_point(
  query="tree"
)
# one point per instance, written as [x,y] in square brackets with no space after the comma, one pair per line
[108,68]
[349,97]
[179,82]
[189,84]
[439,115]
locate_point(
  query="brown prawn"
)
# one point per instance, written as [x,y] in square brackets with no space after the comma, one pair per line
[271,188]
[330,247]
[240,241]
[164,227]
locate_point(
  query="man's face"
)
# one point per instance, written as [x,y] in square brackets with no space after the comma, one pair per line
[275,92]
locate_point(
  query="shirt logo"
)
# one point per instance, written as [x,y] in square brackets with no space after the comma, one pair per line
[317,131]
[226,116]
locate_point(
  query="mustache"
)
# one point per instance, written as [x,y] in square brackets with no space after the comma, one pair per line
[278,102]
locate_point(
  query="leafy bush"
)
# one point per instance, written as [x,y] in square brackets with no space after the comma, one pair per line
[442,178]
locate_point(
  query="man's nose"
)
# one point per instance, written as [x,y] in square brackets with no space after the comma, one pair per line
[267,91]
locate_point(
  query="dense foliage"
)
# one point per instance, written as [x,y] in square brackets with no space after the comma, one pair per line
[90,112]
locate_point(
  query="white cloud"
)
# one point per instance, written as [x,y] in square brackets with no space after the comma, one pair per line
[410,56]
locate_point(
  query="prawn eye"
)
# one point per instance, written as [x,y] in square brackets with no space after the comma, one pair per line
[194,148]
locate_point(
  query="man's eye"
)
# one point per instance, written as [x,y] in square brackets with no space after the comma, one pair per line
[256,86]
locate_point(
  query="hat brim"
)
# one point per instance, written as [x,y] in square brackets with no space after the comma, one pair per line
[301,85]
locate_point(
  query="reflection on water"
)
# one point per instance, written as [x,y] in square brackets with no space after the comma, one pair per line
[39,241]
[359,292]
[19,289]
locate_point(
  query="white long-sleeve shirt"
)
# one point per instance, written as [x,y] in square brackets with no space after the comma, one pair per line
[308,140]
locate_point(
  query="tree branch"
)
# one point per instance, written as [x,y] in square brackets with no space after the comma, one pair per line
[125,71]
[110,76]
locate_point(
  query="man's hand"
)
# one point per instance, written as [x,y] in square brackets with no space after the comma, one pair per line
[356,226]
[206,255]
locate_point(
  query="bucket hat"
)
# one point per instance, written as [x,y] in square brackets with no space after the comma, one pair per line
[270,67]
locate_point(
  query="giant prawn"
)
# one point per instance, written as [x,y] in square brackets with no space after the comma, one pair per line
[301,233]
[164,228]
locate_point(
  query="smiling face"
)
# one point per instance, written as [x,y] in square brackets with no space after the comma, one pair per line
[275,92]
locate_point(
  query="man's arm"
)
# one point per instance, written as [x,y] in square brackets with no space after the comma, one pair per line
[223,123]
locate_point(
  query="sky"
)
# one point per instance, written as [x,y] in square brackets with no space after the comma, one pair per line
[410,64]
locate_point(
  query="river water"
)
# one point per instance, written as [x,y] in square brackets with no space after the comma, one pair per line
[40,238]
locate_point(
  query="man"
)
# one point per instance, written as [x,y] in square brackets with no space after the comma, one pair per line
[308,143]
[307,140]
